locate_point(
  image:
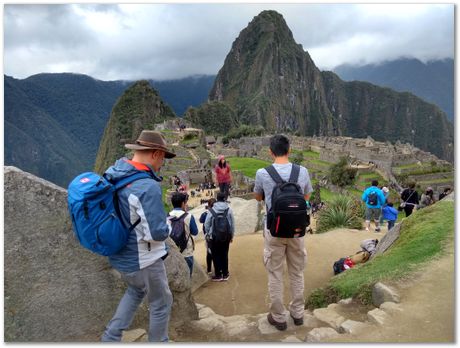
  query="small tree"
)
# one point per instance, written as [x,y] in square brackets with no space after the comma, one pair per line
[297,158]
[341,174]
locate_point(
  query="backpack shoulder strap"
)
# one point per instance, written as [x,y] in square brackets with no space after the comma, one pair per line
[177,218]
[128,180]
[274,174]
[294,177]
[213,213]
[226,212]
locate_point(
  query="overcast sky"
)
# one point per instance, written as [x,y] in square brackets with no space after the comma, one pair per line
[166,41]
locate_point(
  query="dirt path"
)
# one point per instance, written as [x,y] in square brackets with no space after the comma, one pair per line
[246,290]
[427,298]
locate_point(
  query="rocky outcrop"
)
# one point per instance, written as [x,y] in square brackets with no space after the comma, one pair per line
[383,293]
[55,290]
[387,240]
[247,214]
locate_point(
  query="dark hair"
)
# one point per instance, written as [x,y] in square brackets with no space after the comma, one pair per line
[178,198]
[411,185]
[390,204]
[279,145]
[220,197]
[211,202]
[447,189]
[375,183]
[224,164]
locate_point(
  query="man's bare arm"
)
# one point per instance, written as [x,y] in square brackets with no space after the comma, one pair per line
[258,196]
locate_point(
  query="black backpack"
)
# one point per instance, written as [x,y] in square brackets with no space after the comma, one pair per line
[287,217]
[220,226]
[178,231]
[338,266]
[372,198]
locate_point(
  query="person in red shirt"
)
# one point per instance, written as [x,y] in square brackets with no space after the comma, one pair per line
[223,175]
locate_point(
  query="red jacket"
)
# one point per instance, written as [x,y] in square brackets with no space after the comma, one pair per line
[223,174]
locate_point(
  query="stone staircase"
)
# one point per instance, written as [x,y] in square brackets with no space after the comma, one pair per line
[320,325]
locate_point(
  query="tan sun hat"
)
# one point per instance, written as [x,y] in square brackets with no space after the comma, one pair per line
[151,140]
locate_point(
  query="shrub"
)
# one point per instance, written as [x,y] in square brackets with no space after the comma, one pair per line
[342,211]
[297,158]
[321,297]
[341,174]
[243,131]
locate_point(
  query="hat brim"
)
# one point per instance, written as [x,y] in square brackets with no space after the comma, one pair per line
[168,154]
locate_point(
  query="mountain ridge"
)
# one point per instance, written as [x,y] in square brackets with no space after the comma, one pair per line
[275,83]
[432,81]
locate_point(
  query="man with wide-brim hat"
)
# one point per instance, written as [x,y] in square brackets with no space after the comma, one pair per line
[151,140]
[141,261]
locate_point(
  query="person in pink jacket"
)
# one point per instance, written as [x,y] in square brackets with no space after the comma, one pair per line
[223,175]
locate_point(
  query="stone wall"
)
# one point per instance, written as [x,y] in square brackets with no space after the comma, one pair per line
[55,290]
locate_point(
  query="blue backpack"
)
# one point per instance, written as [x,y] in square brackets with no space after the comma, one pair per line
[93,207]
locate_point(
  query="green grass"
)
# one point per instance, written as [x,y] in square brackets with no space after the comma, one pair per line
[318,161]
[436,181]
[356,193]
[248,166]
[312,154]
[423,236]
[370,176]
[327,195]
[413,165]
[166,205]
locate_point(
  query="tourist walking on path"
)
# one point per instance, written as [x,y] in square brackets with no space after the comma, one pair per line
[207,236]
[221,226]
[140,262]
[427,198]
[391,214]
[386,194]
[186,227]
[409,199]
[290,247]
[374,199]
[223,175]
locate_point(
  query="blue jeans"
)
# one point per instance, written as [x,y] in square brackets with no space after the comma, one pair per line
[189,260]
[153,282]
[391,223]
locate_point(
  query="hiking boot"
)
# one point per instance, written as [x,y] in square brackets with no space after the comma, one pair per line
[216,279]
[276,324]
[377,229]
[297,321]
[226,277]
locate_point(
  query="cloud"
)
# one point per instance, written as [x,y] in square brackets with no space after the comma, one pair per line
[161,41]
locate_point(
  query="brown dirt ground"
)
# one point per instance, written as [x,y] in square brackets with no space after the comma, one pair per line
[427,298]
[246,290]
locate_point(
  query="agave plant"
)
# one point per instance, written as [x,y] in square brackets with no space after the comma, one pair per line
[342,211]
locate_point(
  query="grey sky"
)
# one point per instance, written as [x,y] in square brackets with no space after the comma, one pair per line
[165,41]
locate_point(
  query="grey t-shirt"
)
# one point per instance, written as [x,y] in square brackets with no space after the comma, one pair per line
[265,183]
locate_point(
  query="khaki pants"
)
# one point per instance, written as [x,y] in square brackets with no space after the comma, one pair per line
[276,250]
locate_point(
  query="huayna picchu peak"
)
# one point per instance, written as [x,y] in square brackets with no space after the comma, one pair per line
[269,80]
[140,107]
